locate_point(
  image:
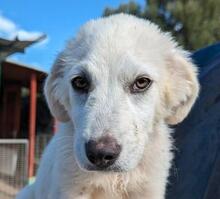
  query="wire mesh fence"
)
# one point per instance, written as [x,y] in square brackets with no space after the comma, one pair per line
[13,166]
[14,163]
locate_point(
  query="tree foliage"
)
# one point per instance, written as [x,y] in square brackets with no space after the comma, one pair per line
[194,23]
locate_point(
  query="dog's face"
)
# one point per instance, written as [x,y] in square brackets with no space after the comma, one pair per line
[117,80]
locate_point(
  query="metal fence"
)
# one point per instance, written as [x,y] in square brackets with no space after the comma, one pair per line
[13,166]
[14,163]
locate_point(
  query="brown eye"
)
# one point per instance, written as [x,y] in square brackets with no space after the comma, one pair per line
[80,83]
[141,84]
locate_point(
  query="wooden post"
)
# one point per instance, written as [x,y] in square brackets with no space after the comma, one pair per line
[32,123]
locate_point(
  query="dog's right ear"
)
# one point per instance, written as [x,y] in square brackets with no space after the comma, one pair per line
[52,95]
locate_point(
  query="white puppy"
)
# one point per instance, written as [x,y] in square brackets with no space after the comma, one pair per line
[115,89]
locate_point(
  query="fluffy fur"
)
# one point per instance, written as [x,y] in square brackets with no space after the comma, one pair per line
[113,51]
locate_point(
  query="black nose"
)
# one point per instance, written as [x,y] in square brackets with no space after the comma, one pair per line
[103,152]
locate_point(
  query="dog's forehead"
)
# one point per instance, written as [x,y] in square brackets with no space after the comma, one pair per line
[119,43]
[125,67]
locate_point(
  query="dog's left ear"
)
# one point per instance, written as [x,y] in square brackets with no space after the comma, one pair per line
[182,87]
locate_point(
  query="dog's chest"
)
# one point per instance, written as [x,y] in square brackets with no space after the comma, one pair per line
[100,194]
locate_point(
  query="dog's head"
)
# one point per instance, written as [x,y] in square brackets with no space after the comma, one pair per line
[115,81]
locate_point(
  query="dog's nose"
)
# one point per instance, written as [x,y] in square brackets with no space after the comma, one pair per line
[103,152]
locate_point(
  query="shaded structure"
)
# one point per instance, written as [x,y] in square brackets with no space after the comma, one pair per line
[21,84]
[23,111]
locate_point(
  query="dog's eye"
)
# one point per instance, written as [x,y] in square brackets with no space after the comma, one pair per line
[80,83]
[141,84]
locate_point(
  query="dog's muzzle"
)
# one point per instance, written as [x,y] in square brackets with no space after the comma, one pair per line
[103,152]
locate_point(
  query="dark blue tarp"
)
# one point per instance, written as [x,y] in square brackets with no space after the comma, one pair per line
[204,56]
[196,169]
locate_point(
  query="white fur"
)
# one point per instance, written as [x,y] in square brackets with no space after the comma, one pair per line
[114,51]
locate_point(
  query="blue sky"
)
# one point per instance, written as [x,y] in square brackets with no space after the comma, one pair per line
[58,19]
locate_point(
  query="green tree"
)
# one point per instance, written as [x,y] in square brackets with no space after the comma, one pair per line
[194,23]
